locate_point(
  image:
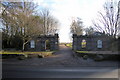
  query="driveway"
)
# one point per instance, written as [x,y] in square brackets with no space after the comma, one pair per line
[63,58]
[63,64]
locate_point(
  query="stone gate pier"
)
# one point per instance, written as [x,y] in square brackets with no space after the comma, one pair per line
[95,42]
[43,43]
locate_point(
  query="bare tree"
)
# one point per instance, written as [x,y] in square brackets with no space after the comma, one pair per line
[89,31]
[20,19]
[76,26]
[108,20]
[50,23]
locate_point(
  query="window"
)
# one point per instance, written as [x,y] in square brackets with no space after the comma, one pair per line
[83,43]
[56,42]
[32,44]
[99,44]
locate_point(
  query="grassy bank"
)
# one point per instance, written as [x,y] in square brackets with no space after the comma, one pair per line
[45,53]
[23,55]
[82,51]
[69,45]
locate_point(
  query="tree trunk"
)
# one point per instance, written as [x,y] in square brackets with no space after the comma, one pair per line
[23,47]
[24,43]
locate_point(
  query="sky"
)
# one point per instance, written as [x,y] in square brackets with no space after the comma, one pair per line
[66,10]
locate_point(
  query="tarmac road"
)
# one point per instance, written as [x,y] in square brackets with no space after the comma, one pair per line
[61,65]
[61,72]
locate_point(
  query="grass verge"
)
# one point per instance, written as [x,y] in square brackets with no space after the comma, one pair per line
[82,51]
[45,53]
[69,45]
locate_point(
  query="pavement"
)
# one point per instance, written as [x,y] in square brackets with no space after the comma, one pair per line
[63,64]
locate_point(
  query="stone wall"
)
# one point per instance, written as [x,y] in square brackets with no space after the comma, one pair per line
[119,44]
[108,43]
[0,40]
[40,43]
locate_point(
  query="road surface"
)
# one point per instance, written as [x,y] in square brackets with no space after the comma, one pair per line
[61,65]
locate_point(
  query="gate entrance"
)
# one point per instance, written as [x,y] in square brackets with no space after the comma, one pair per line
[47,45]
